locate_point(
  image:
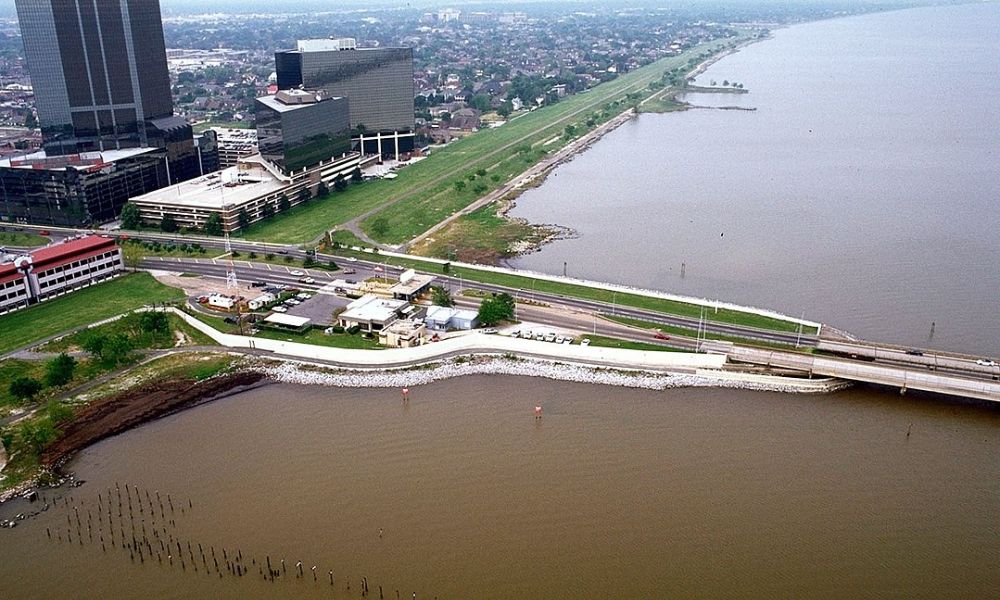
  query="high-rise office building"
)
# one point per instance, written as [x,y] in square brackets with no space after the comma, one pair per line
[99,71]
[377,82]
[102,93]
[298,130]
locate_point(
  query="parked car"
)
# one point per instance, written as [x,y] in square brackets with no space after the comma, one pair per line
[489,330]
[280,309]
[585,342]
[259,284]
[515,334]
[303,296]
[297,273]
[293,302]
[985,362]
[540,336]
[550,337]
[560,339]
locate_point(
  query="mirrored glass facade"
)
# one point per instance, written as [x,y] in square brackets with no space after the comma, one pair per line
[99,70]
[377,82]
[296,137]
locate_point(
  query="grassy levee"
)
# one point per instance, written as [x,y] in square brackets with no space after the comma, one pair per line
[22,240]
[610,342]
[531,284]
[690,333]
[416,213]
[455,161]
[81,308]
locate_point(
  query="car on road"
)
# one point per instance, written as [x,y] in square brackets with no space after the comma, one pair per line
[297,273]
[349,271]
[585,342]
[280,309]
[282,251]
[489,330]
[985,362]
[914,352]
[306,280]
[259,284]
[661,336]
[352,259]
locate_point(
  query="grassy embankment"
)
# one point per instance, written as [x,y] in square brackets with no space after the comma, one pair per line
[22,240]
[82,308]
[470,238]
[692,333]
[529,285]
[608,342]
[429,185]
[26,440]
[547,131]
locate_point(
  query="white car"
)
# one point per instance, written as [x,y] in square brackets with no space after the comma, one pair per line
[540,337]
[585,342]
[306,280]
[280,309]
[303,296]
[489,330]
[297,273]
[982,362]
[550,337]
[567,341]
[527,335]
[560,339]
[515,334]
[293,302]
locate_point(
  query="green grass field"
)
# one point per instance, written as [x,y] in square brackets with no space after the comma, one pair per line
[437,173]
[22,240]
[608,342]
[81,308]
[318,338]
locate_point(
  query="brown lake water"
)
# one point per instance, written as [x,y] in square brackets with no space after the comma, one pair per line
[615,493]
[618,493]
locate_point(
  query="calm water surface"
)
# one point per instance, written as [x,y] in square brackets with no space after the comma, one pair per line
[616,493]
[862,191]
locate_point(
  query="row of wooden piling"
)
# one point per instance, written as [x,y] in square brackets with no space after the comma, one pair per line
[121,524]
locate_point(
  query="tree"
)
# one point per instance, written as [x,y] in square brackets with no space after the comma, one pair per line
[356,175]
[116,349]
[481,172]
[459,186]
[59,370]
[268,210]
[130,217]
[154,322]
[283,203]
[441,296]
[169,225]
[322,190]
[446,268]
[340,184]
[37,434]
[213,224]
[24,388]
[94,344]
[243,218]
[499,307]
[305,195]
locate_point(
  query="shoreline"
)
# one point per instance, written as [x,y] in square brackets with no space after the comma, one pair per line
[129,409]
[554,232]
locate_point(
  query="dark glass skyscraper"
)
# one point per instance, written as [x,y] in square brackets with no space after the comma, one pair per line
[99,71]
[377,82]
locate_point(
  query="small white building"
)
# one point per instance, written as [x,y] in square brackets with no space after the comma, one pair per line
[407,333]
[220,301]
[372,313]
[262,301]
[443,318]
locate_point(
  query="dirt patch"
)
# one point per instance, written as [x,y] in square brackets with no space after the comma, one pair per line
[133,407]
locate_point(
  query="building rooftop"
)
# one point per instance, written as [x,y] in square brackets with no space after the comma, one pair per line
[289,100]
[408,286]
[83,161]
[287,320]
[248,180]
[373,309]
[61,253]
[325,45]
